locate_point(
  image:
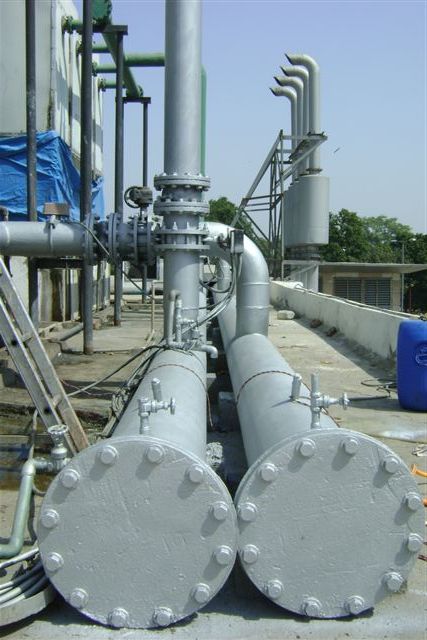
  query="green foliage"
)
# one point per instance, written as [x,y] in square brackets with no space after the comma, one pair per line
[222,210]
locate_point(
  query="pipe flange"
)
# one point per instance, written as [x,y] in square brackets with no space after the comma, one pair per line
[202,231]
[348,507]
[185,181]
[113,227]
[155,520]
[161,248]
[180,207]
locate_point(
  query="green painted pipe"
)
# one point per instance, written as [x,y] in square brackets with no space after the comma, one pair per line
[16,540]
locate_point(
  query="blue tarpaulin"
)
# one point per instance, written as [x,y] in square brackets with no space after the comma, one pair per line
[57,178]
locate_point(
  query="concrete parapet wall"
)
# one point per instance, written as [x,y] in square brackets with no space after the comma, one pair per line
[372,328]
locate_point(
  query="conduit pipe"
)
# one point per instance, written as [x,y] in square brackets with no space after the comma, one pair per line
[42,239]
[330,520]
[290,93]
[16,540]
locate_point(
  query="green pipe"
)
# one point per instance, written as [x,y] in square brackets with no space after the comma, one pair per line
[16,541]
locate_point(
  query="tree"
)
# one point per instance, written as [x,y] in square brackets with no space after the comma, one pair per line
[348,240]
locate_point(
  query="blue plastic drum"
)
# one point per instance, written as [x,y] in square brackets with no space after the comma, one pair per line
[412,365]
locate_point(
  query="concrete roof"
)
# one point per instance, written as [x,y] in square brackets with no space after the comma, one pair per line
[383,267]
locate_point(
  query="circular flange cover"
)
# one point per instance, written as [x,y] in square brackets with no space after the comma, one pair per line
[330,522]
[137,533]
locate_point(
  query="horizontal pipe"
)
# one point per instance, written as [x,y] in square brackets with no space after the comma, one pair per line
[16,540]
[182,376]
[41,239]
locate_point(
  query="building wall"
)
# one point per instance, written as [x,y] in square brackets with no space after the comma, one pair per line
[57,75]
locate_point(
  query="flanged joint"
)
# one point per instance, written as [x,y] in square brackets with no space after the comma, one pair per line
[311,607]
[163,617]
[393,581]
[118,618]
[185,180]
[355,605]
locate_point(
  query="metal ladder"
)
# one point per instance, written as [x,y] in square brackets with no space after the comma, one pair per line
[31,360]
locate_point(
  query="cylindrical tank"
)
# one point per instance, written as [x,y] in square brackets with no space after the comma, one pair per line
[412,365]
[311,214]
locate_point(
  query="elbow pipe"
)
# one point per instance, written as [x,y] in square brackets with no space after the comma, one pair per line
[290,93]
[311,66]
[16,541]
[253,284]
[298,85]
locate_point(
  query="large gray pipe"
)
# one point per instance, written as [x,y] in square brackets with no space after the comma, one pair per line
[291,94]
[42,239]
[310,65]
[253,285]
[300,88]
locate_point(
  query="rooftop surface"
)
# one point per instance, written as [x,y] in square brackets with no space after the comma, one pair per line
[239,611]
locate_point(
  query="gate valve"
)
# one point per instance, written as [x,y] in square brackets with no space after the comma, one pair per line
[146,406]
[319,401]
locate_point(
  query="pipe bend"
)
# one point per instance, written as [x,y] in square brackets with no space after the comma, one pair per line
[304,60]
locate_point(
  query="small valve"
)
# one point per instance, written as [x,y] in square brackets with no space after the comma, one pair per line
[321,401]
[146,406]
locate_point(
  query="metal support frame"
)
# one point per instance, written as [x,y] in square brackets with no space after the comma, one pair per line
[30,59]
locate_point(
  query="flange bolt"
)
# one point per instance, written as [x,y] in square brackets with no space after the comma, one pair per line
[413,501]
[390,464]
[350,445]
[201,593]
[163,617]
[196,473]
[49,518]
[78,598]
[355,605]
[247,511]
[219,511]
[108,455]
[155,454]
[53,562]
[223,555]
[393,581]
[118,618]
[307,448]
[414,542]
[274,589]
[250,553]
[312,607]
[69,478]
[268,471]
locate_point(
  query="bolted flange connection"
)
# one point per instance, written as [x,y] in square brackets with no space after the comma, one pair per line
[250,553]
[307,447]
[196,473]
[118,618]
[350,445]
[390,464]
[268,471]
[413,501]
[155,454]
[247,512]
[223,555]
[108,455]
[219,511]
[53,562]
[414,542]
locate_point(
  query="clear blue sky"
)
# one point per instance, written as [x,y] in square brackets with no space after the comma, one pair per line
[372,56]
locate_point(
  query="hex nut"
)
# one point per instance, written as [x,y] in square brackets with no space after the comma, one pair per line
[201,593]
[390,464]
[247,511]
[307,448]
[350,445]
[155,454]
[268,471]
[355,605]
[49,518]
[250,553]
[78,598]
[53,562]
[414,542]
[69,478]
[163,616]
[274,589]
[312,607]
[413,501]
[223,555]
[393,581]
[118,618]
[196,473]
[108,455]
[219,510]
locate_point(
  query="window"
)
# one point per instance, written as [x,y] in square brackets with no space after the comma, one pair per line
[373,291]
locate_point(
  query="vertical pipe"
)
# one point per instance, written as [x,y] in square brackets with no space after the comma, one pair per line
[204,81]
[30,59]
[145,145]
[86,170]
[118,173]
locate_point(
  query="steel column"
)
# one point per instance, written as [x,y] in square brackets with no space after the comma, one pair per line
[86,170]
[30,59]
